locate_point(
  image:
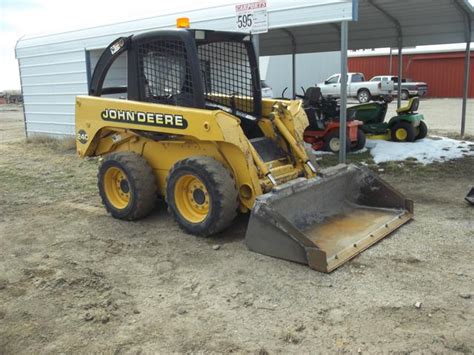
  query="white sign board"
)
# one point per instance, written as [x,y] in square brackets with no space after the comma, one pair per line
[252,17]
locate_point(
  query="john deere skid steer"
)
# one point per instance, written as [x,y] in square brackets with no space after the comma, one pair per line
[191,126]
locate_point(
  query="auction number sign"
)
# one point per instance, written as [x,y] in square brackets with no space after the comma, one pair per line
[252,17]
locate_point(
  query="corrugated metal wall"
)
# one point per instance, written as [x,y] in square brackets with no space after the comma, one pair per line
[50,83]
[443,72]
[311,69]
[54,68]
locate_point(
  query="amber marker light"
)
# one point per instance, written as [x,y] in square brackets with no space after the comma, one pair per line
[182,22]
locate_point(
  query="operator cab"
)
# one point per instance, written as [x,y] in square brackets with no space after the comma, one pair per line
[189,68]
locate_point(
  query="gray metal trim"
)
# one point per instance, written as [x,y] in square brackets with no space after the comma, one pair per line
[23,105]
[50,113]
[343,108]
[51,63]
[467,59]
[56,94]
[50,53]
[57,84]
[293,59]
[58,73]
[53,123]
[50,103]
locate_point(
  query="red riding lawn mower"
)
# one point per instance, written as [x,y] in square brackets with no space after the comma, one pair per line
[323,130]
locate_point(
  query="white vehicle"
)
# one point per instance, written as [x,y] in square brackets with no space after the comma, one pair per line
[267,91]
[357,87]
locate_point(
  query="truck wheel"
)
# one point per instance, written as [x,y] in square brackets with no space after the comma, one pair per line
[422,130]
[403,132]
[201,195]
[405,95]
[363,96]
[332,142]
[127,185]
[360,140]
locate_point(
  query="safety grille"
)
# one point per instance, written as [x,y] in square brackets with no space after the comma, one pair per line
[227,75]
[165,76]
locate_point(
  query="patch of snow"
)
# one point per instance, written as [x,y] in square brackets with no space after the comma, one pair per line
[363,150]
[322,152]
[425,151]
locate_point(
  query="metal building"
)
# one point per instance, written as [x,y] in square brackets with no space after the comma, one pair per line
[442,71]
[54,68]
[311,68]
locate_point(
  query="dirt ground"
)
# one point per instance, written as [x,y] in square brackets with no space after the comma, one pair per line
[72,279]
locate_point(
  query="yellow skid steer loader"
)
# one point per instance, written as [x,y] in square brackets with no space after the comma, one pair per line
[191,126]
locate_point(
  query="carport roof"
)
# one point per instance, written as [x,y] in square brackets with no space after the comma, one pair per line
[420,22]
[281,14]
[307,26]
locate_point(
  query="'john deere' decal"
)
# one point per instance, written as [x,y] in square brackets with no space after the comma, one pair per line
[145,118]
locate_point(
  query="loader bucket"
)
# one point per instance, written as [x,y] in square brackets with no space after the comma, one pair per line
[470,196]
[325,221]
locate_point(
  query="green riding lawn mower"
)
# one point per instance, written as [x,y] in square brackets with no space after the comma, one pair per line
[406,126]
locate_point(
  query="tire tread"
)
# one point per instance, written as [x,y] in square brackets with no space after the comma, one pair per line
[144,180]
[226,194]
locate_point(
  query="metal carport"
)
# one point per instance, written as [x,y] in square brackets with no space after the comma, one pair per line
[55,66]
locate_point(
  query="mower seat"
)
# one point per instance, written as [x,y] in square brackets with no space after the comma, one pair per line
[315,123]
[313,96]
[411,106]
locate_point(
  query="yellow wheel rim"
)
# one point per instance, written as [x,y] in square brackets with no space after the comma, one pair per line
[191,198]
[117,187]
[401,134]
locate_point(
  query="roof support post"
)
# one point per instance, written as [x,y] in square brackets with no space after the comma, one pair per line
[343,105]
[467,63]
[293,61]
[256,45]
[398,28]
[400,72]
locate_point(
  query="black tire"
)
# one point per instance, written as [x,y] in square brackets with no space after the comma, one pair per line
[361,139]
[422,130]
[221,189]
[407,127]
[330,142]
[405,95]
[140,185]
[363,96]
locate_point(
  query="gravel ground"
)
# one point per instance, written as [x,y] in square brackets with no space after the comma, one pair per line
[72,279]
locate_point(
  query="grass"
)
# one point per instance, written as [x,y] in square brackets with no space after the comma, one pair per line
[60,143]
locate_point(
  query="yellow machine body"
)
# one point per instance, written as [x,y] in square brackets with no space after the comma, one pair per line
[105,125]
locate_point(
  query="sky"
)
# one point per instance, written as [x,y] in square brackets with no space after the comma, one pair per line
[20,17]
